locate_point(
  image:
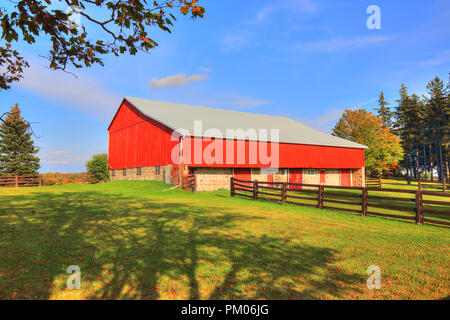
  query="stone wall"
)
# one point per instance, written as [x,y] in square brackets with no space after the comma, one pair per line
[211,179]
[147,173]
[358,177]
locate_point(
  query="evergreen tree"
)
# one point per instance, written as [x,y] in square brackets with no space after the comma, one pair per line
[438,118]
[17,150]
[384,112]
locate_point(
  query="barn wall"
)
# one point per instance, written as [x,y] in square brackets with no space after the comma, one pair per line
[137,141]
[291,155]
[211,179]
[147,173]
[359,177]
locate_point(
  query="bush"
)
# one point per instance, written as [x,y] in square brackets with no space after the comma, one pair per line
[98,167]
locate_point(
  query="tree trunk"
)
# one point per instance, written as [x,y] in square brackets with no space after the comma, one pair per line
[436,151]
[425,162]
[441,161]
[417,164]
[431,162]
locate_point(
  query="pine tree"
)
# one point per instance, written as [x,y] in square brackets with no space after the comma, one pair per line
[384,112]
[438,118]
[17,150]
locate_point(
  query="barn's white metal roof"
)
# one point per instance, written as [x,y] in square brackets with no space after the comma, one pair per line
[180,116]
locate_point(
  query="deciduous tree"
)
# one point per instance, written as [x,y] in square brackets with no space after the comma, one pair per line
[124,26]
[384,149]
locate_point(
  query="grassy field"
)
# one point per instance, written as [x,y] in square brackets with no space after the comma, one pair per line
[133,240]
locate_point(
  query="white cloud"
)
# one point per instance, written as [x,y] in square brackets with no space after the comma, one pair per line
[441,58]
[308,6]
[177,80]
[323,123]
[335,45]
[84,93]
[60,152]
[63,157]
[235,42]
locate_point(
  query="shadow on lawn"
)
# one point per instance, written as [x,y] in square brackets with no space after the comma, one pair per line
[128,246]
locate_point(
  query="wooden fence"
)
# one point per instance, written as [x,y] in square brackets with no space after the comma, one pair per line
[410,205]
[21,181]
[43,180]
[433,185]
[374,182]
[189,182]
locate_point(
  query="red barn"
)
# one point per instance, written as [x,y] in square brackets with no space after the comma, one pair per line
[150,140]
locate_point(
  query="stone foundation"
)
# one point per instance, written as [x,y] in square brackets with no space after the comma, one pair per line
[147,173]
[211,179]
[358,177]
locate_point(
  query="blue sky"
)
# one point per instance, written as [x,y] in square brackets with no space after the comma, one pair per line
[305,59]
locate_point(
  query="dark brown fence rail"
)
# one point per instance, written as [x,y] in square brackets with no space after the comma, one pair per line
[433,185]
[189,182]
[21,181]
[374,182]
[402,204]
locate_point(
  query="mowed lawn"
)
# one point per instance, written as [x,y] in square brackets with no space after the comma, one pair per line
[134,240]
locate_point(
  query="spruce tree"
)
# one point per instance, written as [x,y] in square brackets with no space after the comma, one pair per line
[384,112]
[438,119]
[17,150]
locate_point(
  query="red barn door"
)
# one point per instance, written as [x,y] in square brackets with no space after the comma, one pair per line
[345,178]
[243,174]
[270,179]
[322,176]
[295,176]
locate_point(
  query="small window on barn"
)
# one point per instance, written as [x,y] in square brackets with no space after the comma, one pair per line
[311,172]
[113,172]
[157,170]
[138,171]
[124,172]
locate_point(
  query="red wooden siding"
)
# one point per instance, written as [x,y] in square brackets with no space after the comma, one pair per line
[296,176]
[137,141]
[243,173]
[322,176]
[270,179]
[345,178]
[290,155]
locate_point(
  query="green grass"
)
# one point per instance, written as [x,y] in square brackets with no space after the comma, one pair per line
[132,240]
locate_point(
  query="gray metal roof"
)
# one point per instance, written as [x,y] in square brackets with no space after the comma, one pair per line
[180,116]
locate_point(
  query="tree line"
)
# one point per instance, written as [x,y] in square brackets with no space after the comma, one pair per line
[411,138]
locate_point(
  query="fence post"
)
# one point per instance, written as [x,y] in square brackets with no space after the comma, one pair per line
[40,180]
[420,185]
[16,179]
[231,187]
[381,183]
[320,198]
[364,202]
[283,192]
[443,184]
[419,212]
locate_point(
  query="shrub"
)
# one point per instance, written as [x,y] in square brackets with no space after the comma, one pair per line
[98,167]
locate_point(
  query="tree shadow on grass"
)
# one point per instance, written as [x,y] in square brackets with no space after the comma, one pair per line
[149,249]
